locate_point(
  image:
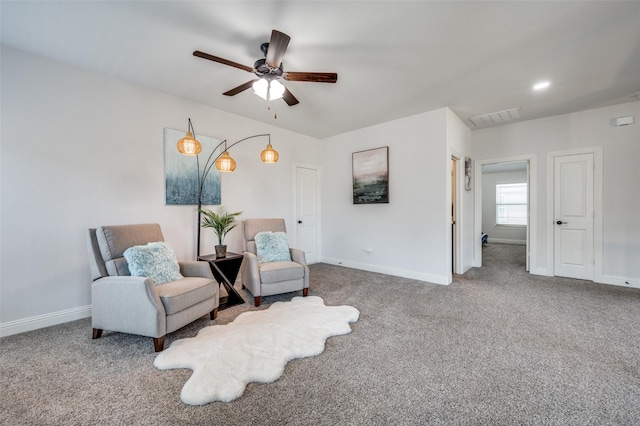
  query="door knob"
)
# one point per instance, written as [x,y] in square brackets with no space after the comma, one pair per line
[299,221]
[560,222]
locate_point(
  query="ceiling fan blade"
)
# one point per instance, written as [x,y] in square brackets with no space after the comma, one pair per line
[277,46]
[289,98]
[317,77]
[240,88]
[222,61]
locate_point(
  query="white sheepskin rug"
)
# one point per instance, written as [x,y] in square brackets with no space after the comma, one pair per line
[255,347]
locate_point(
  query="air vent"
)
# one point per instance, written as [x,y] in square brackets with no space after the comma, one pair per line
[496,117]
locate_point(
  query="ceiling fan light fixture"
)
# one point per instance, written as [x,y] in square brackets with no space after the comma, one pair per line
[277,89]
[269,155]
[268,90]
[225,163]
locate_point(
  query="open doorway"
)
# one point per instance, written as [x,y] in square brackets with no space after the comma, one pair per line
[506,206]
[505,210]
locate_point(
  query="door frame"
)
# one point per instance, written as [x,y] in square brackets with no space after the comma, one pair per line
[598,207]
[294,213]
[532,227]
[455,247]
[456,255]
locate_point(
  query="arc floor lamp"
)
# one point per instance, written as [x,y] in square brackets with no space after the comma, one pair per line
[223,162]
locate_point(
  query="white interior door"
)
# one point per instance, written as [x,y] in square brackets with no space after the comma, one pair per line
[574,213]
[307,212]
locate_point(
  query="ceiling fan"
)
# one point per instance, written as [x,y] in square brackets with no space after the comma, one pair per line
[269,70]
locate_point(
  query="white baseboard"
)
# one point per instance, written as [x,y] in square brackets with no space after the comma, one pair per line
[540,271]
[431,278]
[467,269]
[505,241]
[46,320]
[620,281]
[604,279]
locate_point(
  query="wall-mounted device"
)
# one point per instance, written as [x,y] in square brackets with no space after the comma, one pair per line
[623,121]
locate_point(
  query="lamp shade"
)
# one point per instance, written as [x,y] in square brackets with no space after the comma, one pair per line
[189,145]
[269,155]
[277,89]
[225,163]
[268,89]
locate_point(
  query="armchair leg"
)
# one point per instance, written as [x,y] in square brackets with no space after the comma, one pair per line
[158,343]
[257,301]
[305,292]
[97,333]
[213,314]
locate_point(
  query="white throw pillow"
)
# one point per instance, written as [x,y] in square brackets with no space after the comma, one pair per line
[154,260]
[272,247]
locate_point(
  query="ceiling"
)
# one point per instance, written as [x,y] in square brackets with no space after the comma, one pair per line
[393,58]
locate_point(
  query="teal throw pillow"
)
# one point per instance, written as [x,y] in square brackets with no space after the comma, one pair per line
[272,247]
[154,260]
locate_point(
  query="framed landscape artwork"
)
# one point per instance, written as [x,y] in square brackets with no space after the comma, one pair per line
[181,172]
[371,176]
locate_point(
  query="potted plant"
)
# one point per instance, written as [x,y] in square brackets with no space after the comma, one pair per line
[221,221]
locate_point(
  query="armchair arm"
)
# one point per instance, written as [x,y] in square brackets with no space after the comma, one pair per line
[297,255]
[128,305]
[250,273]
[195,269]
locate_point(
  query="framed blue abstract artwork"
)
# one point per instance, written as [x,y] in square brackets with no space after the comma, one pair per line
[181,172]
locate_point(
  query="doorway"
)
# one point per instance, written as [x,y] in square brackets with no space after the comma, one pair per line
[505,208]
[529,164]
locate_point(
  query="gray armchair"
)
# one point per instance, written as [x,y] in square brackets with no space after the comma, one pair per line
[266,279]
[135,305]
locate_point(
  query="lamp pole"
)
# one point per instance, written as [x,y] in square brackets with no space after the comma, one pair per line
[211,161]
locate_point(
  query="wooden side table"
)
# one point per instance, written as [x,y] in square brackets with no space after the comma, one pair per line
[225,270]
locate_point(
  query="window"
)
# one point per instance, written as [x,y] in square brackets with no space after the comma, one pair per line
[511,204]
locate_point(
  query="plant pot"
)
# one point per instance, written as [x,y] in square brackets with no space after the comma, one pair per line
[221,251]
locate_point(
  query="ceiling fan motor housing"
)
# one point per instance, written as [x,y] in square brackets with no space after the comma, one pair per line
[264,70]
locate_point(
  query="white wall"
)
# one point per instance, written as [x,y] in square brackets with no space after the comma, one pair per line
[81,149]
[409,235]
[500,234]
[621,174]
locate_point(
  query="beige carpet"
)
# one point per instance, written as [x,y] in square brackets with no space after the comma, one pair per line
[498,346]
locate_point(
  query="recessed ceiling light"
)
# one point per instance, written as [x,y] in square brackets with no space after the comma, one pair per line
[542,85]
